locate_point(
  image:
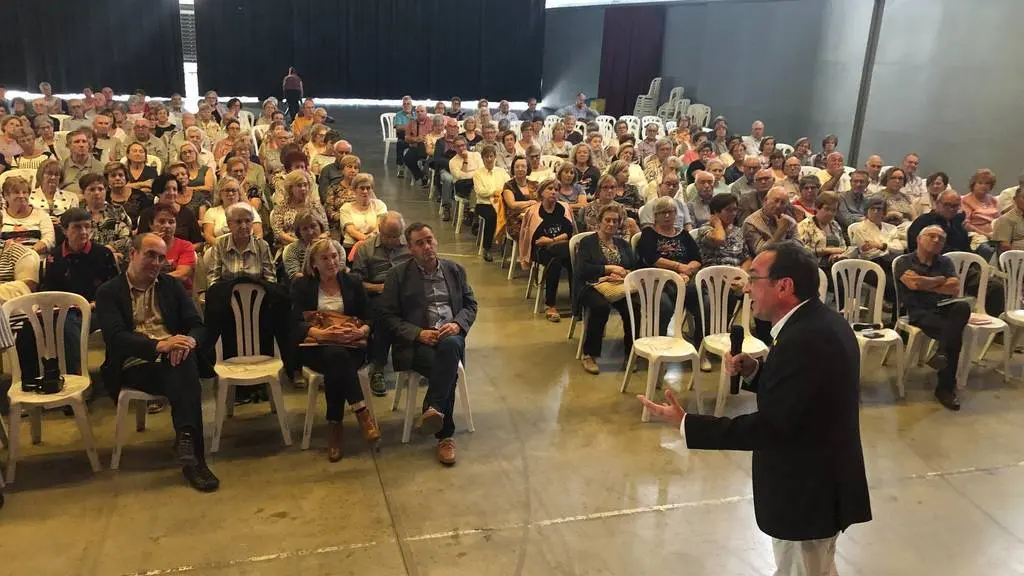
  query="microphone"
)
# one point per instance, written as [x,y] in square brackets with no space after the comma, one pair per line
[736,335]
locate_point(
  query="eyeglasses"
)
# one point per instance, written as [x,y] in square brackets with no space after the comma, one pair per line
[755,278]
[764,178]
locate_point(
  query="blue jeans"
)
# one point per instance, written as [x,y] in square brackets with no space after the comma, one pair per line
[440,365]
[28,358]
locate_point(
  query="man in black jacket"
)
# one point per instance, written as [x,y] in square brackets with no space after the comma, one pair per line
[428,307]
[808,466]
[151,329]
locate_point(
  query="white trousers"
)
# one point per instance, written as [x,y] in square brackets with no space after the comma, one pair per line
[805,557]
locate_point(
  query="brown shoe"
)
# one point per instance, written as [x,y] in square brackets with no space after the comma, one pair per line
[334,430]
[431,421]
[590,365]
[446,452]
[366,421]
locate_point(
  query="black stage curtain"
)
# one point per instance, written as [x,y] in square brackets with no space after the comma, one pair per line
[630,55]
[372,48]
[73,44]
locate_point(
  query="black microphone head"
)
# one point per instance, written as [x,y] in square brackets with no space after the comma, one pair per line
[736,335]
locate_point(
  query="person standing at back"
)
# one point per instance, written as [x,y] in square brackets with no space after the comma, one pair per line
[292,90]
[808,464]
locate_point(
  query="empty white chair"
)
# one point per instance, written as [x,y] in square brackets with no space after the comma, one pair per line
[315,382]
[250,367]
[633,122]
[975,333]
[259,133]
[647,285]
[581,127]
[45,314]
[574,243]
[606,123]
[670,126]
[699,114]
[388,133]
[550,162]
[715,283]
[124,399]
[784,148]
[64,117]
[409,382]
[29,174]
[551,120]
[849,278]
[1012,263]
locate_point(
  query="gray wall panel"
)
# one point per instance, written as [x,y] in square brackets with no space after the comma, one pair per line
[572,54]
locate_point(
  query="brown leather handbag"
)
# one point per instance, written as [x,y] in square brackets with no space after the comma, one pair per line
[329,319]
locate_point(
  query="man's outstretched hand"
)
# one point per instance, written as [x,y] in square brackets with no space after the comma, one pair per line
[671,412]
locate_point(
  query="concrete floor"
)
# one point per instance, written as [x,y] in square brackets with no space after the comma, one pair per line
[559,478]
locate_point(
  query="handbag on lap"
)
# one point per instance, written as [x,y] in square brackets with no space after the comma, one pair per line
[330,319]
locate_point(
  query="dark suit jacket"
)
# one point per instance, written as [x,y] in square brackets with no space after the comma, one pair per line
[402,307]
[306,295]
[808,466]
[114,315]
[956,235]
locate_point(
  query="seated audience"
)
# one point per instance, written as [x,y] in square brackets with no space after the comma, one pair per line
[667,188]
[19,269]
[165,190]
[877,240]
[33,154]
[721,239]
[570,191]
[573,135]
[317,147]
[341,192]
[462,167]
[108,223]
[163,124]
[873,166]
[753,140]
[151,330]
[333,173]
[1008,229]
[654,164]
[704,189]
[698,139]
[470,133]
[717,169]
[508,150]
[914,186]
[627,153]
[790,177]
[296,199]
[131,200]
[851,202]
[629,195]
[517,196]
[428,307]
[558,145]
[598,155]
[544,239]
[705,153]
[802,150]
[936,184]
[828,146]
[927,278]
[138,174]
[749,167]
[586,174]
[200,178]
[579,109]
[10,125]
[770,223]
[180,259]
[719,139]
[821,234]
[735,171]
[142,131]
[239,252]
[753,200]
[23,223]
[607,191]
[79,161]
[416,133]
[1006,197]
[538,171]
[981,209]
[767,147]
[602,262]
[47,139]
[488,183]
[804,205]
[215,219]
[834,178]
[359,217]
[254,183]
[900,205]
[47,196]
[294,254]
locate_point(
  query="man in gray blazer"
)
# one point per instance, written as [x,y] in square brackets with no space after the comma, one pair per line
[428,307]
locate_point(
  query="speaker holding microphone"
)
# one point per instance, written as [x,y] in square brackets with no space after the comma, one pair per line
[736,335]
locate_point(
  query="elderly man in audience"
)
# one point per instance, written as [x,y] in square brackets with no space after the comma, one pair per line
[700,206]
[851,202]
[754,199]
[107,148]
[151,330]
[463,166]
[78,119]
[668,188]
[833,178]
[790,179]
[79,162]
[1007,196]
[444,151]
[750,166]
[646,147]
[503,113]
[428,306]
[873,167]
[142,132]
[753,140]
[334,172]
[929,286]
[1008,229]
[914,186]
[769,223]
[416,133]
[239,252]
[655,164]
[373,260]
[579,109]
[531,113]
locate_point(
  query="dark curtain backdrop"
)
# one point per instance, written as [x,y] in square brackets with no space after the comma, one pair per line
[72,44]
[373,48]
[630,55]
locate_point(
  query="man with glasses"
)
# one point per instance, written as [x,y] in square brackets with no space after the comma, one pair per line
[373,260]
[753,199]
[851,202]
[750,166]
[668,188]
[808,463]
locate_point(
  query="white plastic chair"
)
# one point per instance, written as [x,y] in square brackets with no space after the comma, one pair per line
[513,243]
[652,120]
[61,118]
[699,114]
[516,126]
[974,333]
[918,343]
[670,126]
[315,382]
[681,106]
[249,367]
[581,127]
[388,133]
[1012,263]
[715,283]
[246,119]
[124,399]
[784,148]
[260,134]
[45,314]
[574,243]
[549,161]
[849,277]
[551,120]
[808,171]
[410,380]
[633,123]
[607,124]
[29,174]
[648,285]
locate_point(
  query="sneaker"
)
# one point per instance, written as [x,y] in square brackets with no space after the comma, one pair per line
[590,365]
[185,448]
[378,385]
[948,398]
[705,364]
[201,477]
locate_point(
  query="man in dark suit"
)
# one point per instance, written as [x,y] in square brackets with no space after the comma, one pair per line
[808,466]
[151,329]
[428,307]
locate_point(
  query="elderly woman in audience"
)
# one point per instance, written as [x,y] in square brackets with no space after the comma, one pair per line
[544,238]
[139,175]
[267,110]
[738,153]
[901,207]
[806,202]
[821,233]
[166,189]
[327,287]
[111,226]
[627,153]
[294,255]
[201,177]
[538,172]
[981,209]
[163,123]
[517,196]
[295,200]
[717,169]
[936,184]
[131,200]
[597,153]
[232,133]
[22,222]
[602,262]
[668,246]
[720,138]
[239,252]
[488,183]
[627,194]
[586,174]
[215,220]
[705,153]
[10,126]
[557,145]
[33,153]
[470,133]
[721,240]
[359,217]
[607,191]
[726,157]
[655,163]
[508,150]
[877,240]
[48,197]
[294,161]
[569,190]
[802,150]
[828,146]
[341,193]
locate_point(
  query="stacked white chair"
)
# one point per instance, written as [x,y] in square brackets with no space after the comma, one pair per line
[551,120]
[700,115]
[388,133]
[607,124]
[646,104]
[974,333]
[648,285]
[680,109]
[667,110]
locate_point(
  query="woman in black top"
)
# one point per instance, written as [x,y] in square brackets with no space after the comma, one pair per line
[627,194]
[586,174]
[669,248]
[550,241]
[140,175]
[118,193]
